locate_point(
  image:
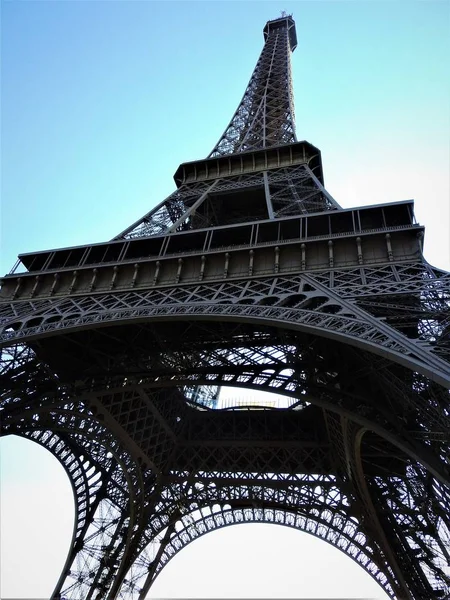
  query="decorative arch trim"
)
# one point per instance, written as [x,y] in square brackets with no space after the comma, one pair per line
[374,337]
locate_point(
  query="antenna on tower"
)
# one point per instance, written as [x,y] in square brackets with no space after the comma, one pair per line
[283,13]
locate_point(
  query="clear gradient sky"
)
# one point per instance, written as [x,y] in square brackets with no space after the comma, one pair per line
[101,101]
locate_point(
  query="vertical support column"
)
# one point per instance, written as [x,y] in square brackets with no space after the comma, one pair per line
[202,267]
[276,266]
[268,198]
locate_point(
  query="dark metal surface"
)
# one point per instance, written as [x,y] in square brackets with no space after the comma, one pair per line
[249,276]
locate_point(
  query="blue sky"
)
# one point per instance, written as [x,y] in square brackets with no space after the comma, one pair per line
[101,101]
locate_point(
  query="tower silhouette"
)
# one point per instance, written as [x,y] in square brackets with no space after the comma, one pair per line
[249,275]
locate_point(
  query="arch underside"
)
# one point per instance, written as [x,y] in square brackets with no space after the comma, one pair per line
[319,517]
[313,504]
[312,368]
[188,507]
[107,484]
[149,459]
[341,393]
[396,311]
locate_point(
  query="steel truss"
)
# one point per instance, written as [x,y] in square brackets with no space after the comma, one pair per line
[119,382]
[182,495]
[195,205]
[265,115]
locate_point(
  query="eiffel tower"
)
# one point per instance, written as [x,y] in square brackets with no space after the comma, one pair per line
[249,275]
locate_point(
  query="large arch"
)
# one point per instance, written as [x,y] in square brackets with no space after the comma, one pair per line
[111,396]
[349,540]
[335,305]
[370,336]
[107,486]
[262,560]
[337,529]
[228,522]
[38,518]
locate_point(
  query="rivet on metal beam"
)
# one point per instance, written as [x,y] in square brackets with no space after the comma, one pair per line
[250,262]
[33,291]
[202,267]
[74,280]
[359,249]
[55,283]
[389,246]
[93,280]
[303,248]
[330,253]
[420,238]
[18,284]
[276,267]
[227,264]
[135,274]
[180,266]
[156,276]
[114,277]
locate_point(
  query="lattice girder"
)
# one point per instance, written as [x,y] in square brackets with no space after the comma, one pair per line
[284,368]
[222,491]
[274,193]
[249,275]
[210,361]
[265,115]
[262,288]
[301,302]
[108,487]
[312,504]
[291,371]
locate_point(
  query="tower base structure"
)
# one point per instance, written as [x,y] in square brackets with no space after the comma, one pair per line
[249,276]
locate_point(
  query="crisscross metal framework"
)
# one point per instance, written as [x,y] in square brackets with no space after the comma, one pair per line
[265,115]
[249,276]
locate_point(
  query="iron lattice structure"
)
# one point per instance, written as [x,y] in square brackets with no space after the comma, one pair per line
[250,275]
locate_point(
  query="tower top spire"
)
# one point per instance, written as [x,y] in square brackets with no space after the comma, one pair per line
[285,21]
[265,115]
